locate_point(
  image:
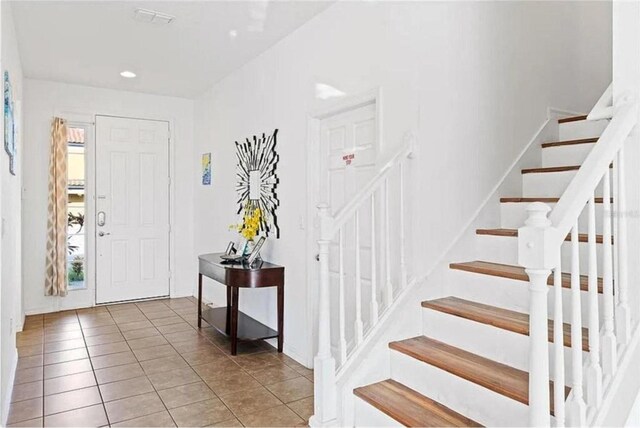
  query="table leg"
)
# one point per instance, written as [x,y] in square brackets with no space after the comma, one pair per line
[280,317]
[228,324]
[234,320]
[199,300]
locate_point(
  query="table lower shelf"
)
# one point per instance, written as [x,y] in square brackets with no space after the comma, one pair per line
[248,328]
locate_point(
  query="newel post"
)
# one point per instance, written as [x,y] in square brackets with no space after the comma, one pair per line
[538,252]
[324,363]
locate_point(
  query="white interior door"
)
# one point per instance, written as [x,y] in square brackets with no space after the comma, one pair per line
[132,209]
[349,147]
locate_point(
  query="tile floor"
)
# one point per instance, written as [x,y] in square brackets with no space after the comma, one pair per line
[146,364]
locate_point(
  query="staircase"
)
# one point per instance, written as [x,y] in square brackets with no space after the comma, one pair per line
[471,365]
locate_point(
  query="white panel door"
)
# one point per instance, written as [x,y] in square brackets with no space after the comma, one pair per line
[349,147]
[132,209]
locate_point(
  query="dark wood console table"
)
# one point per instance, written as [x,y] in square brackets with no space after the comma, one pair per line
[229,320]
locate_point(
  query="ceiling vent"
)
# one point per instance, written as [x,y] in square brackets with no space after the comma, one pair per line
[152,16]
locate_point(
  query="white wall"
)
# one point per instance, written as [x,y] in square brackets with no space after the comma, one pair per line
[473,80]
[44,100]
[10,297]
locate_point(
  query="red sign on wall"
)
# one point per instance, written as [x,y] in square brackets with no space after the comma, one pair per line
[348,158]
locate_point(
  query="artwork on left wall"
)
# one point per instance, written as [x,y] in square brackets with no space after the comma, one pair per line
[206,169]
[9,125]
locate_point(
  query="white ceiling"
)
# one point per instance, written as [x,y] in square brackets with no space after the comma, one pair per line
[90,43]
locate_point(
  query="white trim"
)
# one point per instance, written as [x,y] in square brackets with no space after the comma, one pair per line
[314,117]
[12,377]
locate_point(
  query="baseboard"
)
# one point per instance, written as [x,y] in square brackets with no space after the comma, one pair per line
[12,377]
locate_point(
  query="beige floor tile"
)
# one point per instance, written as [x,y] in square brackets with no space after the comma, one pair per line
[69,383]
[37,422]
[26,391]
[147,342]
[98,322]
[201,414]
[140,333]
[28,375]
[237,381]
[107,329]
[163,365]
[125,388]
[93,416]
[112,360]
[210,354]
[133,407]
[154,352]
[218,370]
[182,336]
[173,378]
[292,390]
[166,320]
[199,343]
[228,423]
[280,416]
[113,374]
[23,410]
[160,419]
[128,318]
[68,368]
[64,356]
[104,339]
[174,328]
[156,315]
[63,345]
[54,329]
[186,394]
[70,400]
[110,348]
[30,362]
[65,335]
[30,350]
[274,374]
[135,325]
[257,361]
[303,408]
[250,400]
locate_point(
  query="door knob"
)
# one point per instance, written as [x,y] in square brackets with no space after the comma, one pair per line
[103,233]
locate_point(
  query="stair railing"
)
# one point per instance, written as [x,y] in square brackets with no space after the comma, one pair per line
[540,244]
[344,231]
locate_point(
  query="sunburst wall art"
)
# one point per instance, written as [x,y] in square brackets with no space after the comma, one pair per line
[258,181]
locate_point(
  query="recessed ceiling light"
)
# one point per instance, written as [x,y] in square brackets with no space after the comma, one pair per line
[233,34]
[128,74]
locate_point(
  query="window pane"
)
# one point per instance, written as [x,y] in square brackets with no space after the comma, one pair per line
[76,198]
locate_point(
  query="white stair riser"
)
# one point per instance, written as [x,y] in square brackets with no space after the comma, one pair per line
[511,294]
[497,344]
[581,129]
[514,214]
[504,249]
[549,184]
[474,401]
[573,154]
[369,416]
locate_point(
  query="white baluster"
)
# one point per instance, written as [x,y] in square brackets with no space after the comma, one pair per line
[576,407]
[623,320]
[532,240]
[387,246]
[403,262]
[558,347]
[594,371]
[614,216]
[341,316]
[358,323]
[609,344]
[324,364]
[374,264]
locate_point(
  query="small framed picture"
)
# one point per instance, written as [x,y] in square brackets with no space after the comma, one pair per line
[256,250]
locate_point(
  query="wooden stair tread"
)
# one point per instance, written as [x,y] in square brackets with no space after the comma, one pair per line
[572,118]
[550,169]
[570,142]
[517,273]
[409,407]
[495,376]
[505,319]
[545,200]
[582,237]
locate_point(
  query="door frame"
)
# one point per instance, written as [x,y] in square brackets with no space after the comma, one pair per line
[80,117]
[314,120]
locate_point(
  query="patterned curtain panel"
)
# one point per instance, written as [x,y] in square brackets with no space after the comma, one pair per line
[56,268]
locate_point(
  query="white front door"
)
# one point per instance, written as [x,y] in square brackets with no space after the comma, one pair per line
[132,209]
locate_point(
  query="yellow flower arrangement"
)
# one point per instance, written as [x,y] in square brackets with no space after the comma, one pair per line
[250,222]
